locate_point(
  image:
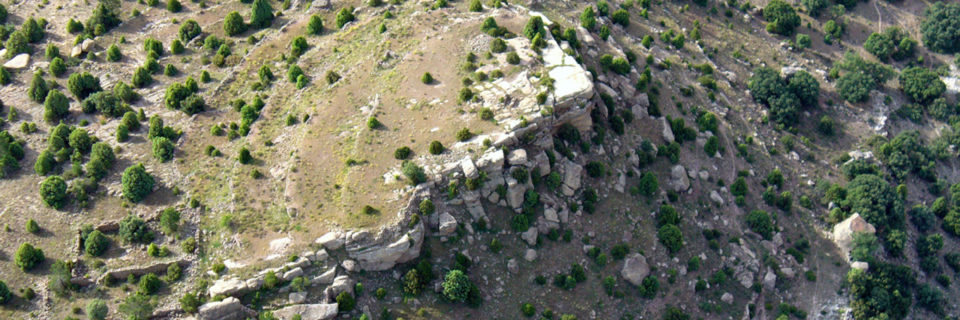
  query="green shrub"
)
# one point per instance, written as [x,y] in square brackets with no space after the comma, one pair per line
[297,47]
[83,84]
[38,88]
[588,19]
[513,58]
[436,147]
[74,26]
[671,237]
[649,287]
[56,106]
[463,134]
[32,226]
[149,284]
[137,183]
[781,17]
[153,45]
[174,6]
[941,27]
[233,24]
[244,156]
[97,309]
[176,47]
[134,230]
[58,67]
[427,78]
[27,257]
[413,172]
[621,17]
[346,302]
[921,85]
[402,153]
[96,244]
[456,286]
[53,192]
[261,15]
[315,26]
[760,222]
[344,16]
[293,73]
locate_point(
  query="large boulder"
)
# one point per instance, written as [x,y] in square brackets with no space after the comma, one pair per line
[319,311]
[678,179]
[667,132]
[226,309]
[843,232]
[448,224]
[228,287]
[469,169]
[325,278]
[517,157]
[572,174]
[332,240]
[18,62]
[379,255]
[635,268]
[530,236]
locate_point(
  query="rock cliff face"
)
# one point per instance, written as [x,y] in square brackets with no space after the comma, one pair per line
[527,132]
[528,126]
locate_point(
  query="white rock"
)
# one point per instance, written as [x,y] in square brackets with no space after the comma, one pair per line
[349,265]
[86,45]
[297,297]
[448,224]
[635,268]
[228,287]
[293,273]
[469,169]
[18,62]
[667,131]
[860,265]
[727,298]
[332,240]
[530,236]
[322,255]
[322,311]
[716,197]
[226,309]
[530,255]
[518,157]
[325,278]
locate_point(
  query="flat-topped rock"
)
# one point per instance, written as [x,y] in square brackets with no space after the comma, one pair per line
[18,62]
[226,309]
[319,311]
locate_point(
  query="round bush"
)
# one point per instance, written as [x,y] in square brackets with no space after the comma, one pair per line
[53,192]
[96,243]
[456,286]
[28,257]
[402,153]
[136,182]
[97,309]
[436,147]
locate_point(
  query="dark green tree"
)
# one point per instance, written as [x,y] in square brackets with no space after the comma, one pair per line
[38,88]
[28,257]
[921,85]
[137,183]
[96,243]
[781,17]
[941,27]
[261,15]
[53,192]
[56,106]
[233,24]
[875,200]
